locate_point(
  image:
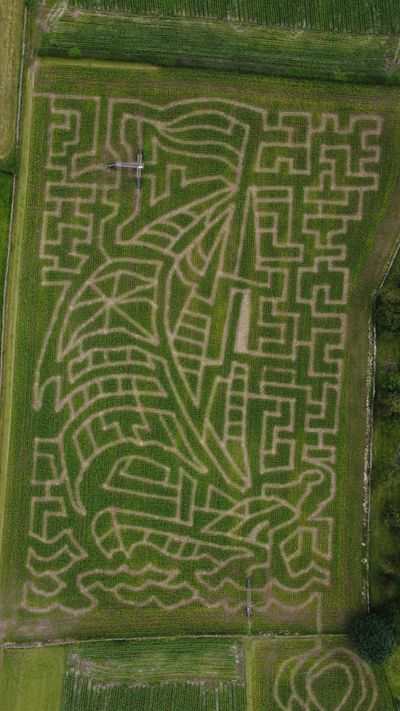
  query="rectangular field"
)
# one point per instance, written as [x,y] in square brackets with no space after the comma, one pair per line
[368,16]
[322,673]
[204,674]
[223,45]
[184,415]
[159,675]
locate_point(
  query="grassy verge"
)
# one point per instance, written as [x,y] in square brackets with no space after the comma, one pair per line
[6,188]
[10,53]
[181,42]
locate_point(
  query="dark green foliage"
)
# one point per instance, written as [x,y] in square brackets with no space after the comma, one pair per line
[387,312]
[373,637]
[391,381]
[392,515]
[393,615]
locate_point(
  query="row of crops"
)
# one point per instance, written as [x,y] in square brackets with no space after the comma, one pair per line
[205,659]
[359,16]
[170,41]
[80,693]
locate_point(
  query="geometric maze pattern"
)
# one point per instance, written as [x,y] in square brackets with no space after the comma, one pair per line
[186,399]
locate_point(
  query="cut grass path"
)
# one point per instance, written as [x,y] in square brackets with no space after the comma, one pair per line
[31,679]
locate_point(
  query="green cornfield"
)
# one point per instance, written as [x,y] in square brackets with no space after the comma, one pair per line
[187,396]
[80,693]
[359,16]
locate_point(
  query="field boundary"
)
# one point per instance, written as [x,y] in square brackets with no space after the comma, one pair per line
[11,299]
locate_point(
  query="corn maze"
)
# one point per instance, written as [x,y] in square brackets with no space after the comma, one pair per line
[186,395]
[322,675]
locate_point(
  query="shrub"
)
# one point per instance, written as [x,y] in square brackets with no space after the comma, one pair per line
[392,515]
[74,52]
[391,381]
[387,310]
[373,637]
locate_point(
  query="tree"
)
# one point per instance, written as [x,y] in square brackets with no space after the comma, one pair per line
[373,637]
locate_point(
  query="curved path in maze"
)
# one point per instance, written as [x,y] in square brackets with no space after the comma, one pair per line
[194,356]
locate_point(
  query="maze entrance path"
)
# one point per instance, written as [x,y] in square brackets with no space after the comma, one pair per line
[185,354]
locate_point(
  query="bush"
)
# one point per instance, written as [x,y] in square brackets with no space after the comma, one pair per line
[74,53]
[373,637]
[392,515]
[387,309]
[390,381]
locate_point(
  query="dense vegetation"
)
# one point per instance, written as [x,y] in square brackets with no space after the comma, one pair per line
[373,637]
[385,514]
[385,540]
[376,16]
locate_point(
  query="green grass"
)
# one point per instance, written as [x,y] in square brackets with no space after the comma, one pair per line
[6,188]
[32,678]
[113,555]
[392,667]
[362,16]
[182,42]
[10,53]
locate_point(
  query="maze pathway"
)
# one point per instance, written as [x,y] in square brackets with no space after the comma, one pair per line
[317,675]
[186,395]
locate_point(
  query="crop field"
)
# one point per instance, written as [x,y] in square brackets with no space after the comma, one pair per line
[203,675]
[158,675]
[189,374]
[367,16]
[198,674]
[223,45]
[323,674]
